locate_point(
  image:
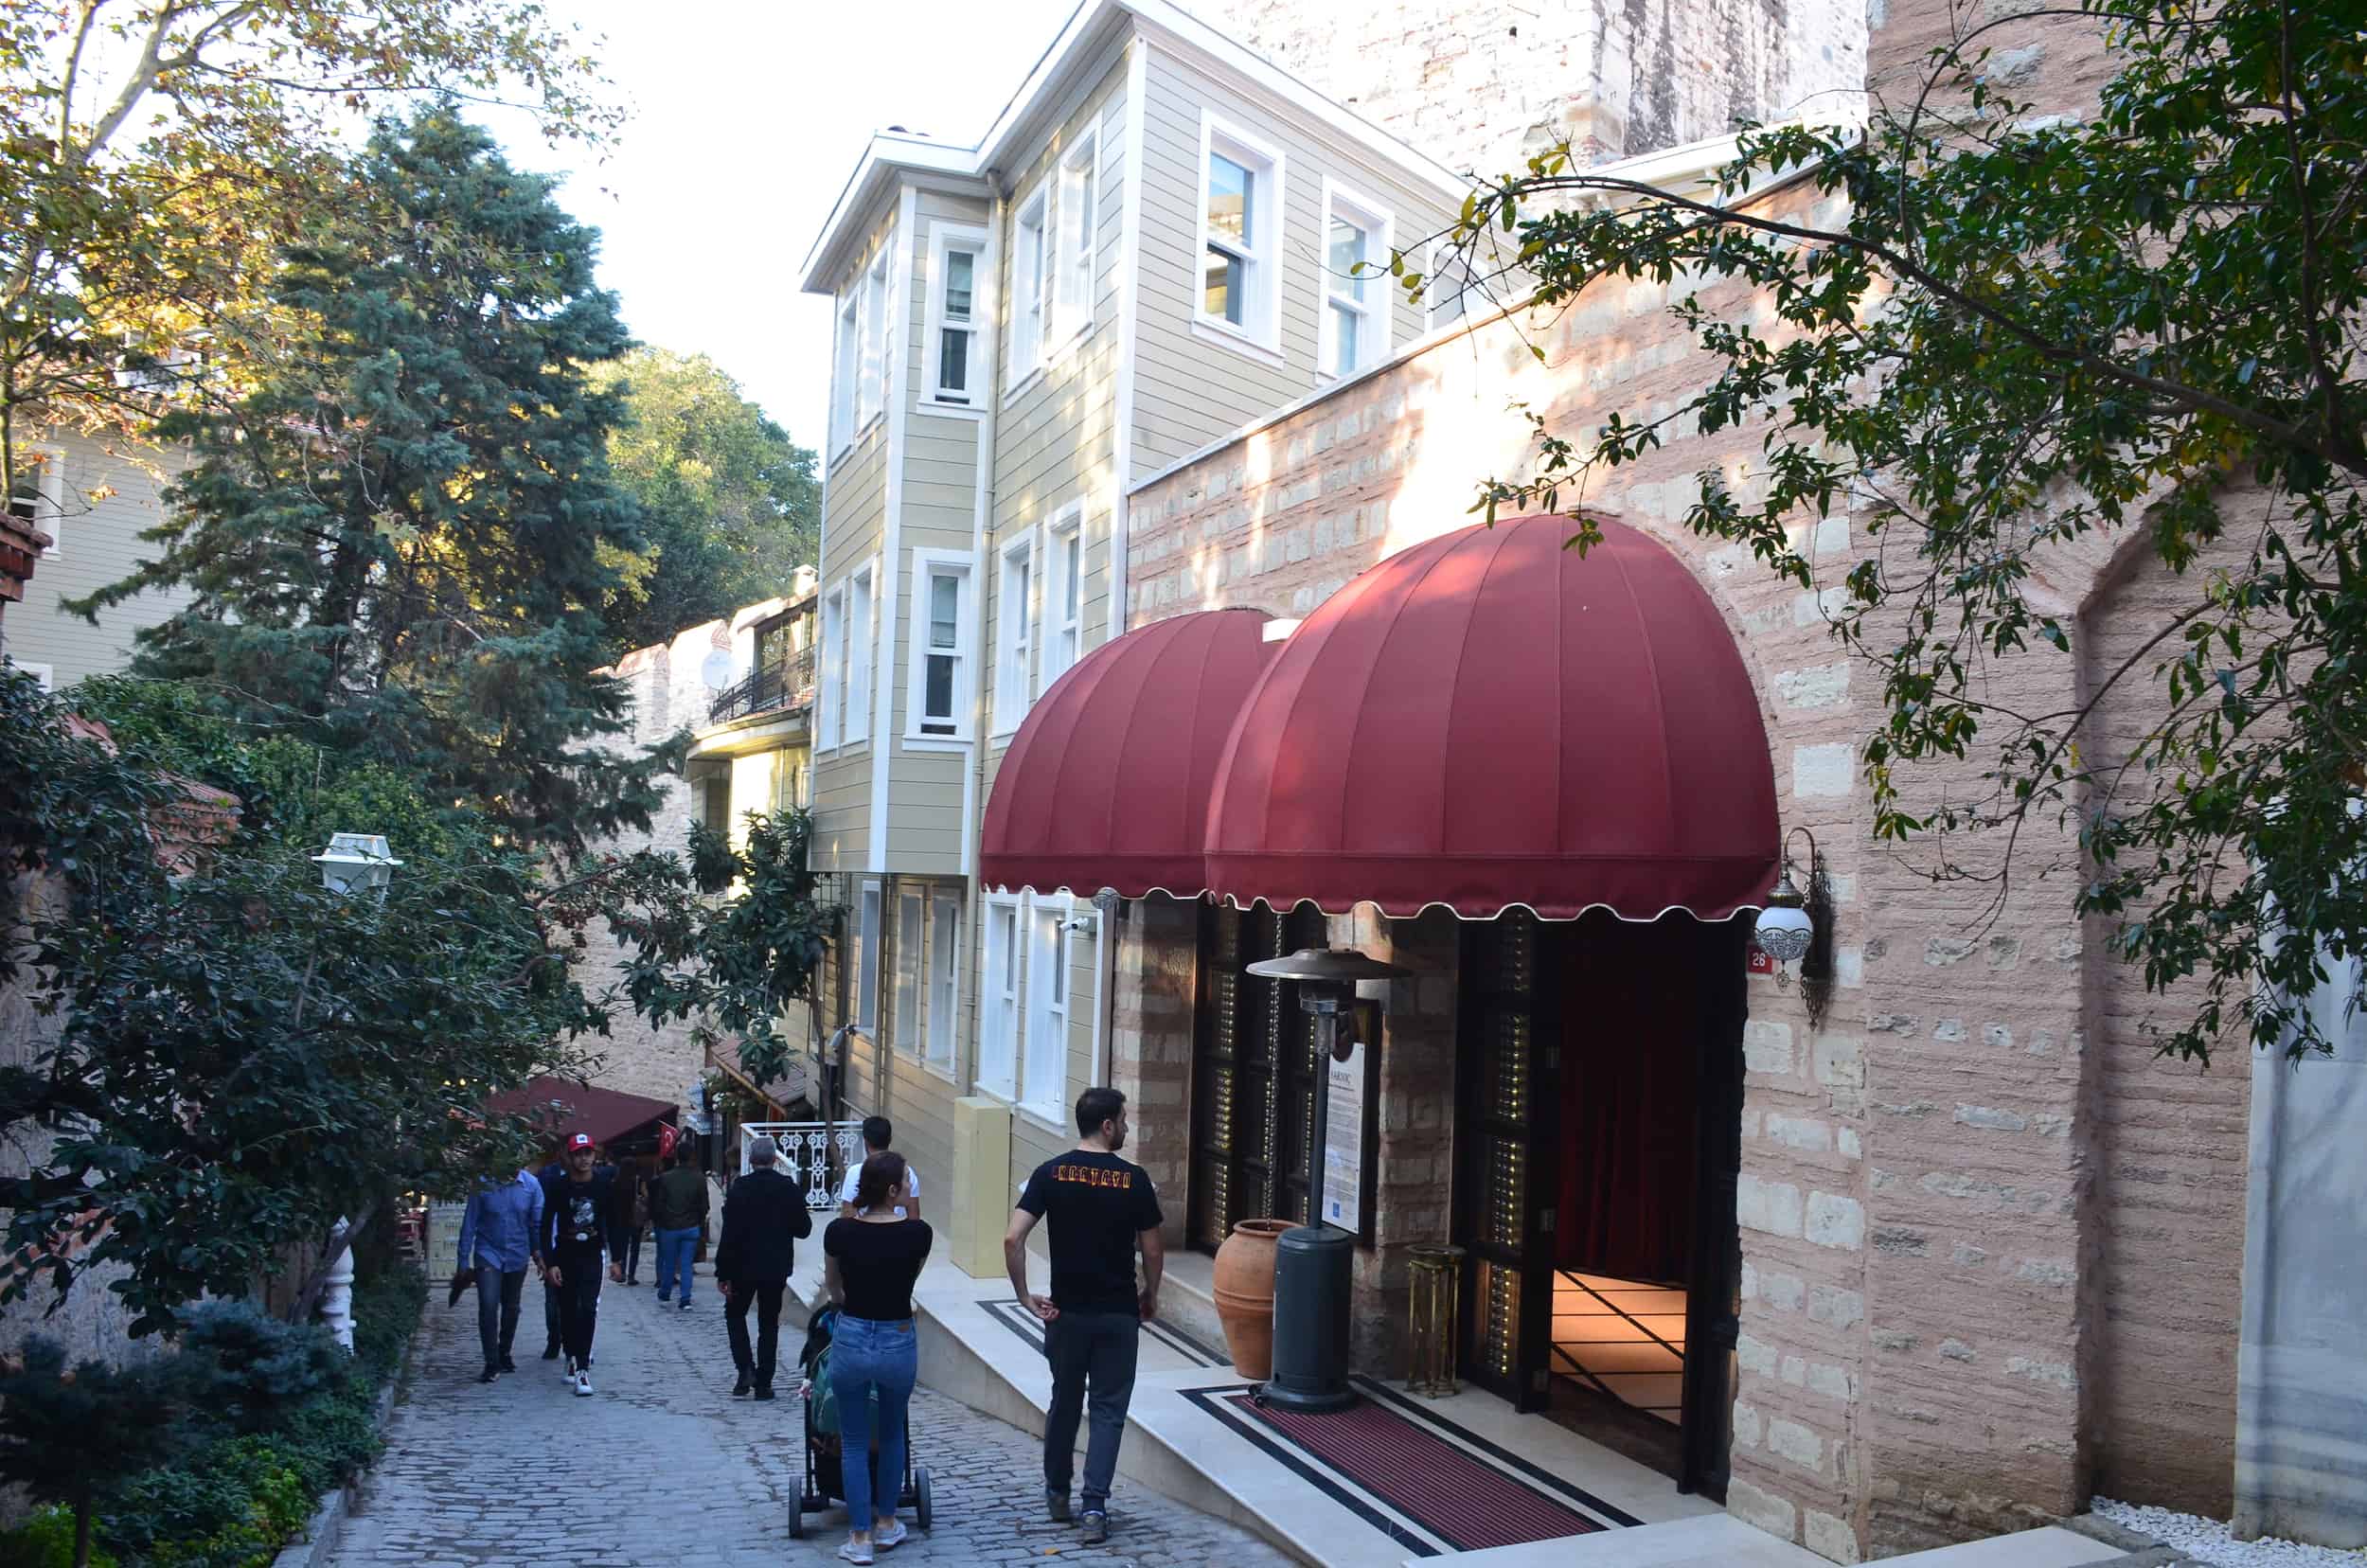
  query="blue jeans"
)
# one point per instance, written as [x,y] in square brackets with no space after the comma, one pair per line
[867,1355]
[675,1249]
[1095,1350]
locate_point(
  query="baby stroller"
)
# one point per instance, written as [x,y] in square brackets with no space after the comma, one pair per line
[825,1478]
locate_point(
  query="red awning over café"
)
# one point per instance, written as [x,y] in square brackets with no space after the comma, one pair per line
[1490,720]
[570,1108]
[1107,783]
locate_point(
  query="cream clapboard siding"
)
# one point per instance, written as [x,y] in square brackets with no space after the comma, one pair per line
[854,518]
[1187,391]
[936,510]
[109,500]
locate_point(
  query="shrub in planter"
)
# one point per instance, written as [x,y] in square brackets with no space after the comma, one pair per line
[246,1370]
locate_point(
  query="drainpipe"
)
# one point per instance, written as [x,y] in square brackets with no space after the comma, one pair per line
[982,525]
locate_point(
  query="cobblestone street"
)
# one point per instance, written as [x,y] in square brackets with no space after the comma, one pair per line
[661,1467]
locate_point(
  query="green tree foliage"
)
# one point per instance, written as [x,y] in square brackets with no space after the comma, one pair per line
[726,937]
[239,1056]
[398,541]
[2027,330]
[730,504]
[65,1434]
[152,153]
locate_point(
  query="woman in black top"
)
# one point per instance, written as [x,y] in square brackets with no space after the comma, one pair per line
[869,1265]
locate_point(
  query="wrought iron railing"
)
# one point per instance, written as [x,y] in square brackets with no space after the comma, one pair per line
[807,1153]
[773,687]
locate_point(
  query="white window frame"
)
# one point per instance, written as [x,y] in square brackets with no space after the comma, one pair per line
[944,239]
[945,984]
[1074,234]
[912,925]
[1000,989]
[49,498]
[44,675]
[1378,334]
[846,369]
[929,565]
[1044,1057]
[862,652]
[832,675]
[1260,327]
[1031,284]
[1015,657]
[867,919]
[1062,638]
[878,337]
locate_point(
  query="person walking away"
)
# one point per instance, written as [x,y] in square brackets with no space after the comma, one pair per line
[498,1237]
[869,1264]
[877,1135]
[550,1178]
[633,1214]
[678,1205]
[577,1221]
[764,1218]
[1101,1209]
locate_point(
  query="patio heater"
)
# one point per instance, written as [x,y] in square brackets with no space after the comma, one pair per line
[1314,1264]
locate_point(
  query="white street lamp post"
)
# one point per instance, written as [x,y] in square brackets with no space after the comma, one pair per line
[353,862]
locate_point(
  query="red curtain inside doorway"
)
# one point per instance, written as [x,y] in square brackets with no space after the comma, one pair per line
[1631,1060]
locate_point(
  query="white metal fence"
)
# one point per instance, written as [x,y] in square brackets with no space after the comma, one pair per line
[807,1153]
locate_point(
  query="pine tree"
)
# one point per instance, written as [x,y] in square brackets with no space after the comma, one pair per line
[399,536]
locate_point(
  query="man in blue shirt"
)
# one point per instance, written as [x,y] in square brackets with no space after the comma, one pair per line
[498,1237]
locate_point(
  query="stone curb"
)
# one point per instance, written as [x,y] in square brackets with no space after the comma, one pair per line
[313,1547]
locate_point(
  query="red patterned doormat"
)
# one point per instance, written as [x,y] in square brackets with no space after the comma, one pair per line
[1468,1495]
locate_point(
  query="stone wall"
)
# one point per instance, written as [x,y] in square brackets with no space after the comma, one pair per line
[670,692]
[1483,85]
[1946,1194]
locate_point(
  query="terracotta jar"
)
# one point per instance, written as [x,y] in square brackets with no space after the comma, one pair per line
[1244,1293]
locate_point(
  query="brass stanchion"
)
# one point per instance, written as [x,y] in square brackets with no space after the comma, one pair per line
[1436,1275]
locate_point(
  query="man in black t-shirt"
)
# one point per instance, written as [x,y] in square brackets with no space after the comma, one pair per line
[578,1225]
[1101,1209]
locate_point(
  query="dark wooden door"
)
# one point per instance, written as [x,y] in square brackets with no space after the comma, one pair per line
[1504,1197]
[1714,1296]
[1253,1080]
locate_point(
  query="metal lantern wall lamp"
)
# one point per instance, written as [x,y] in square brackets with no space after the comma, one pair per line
[1313,1264]
[1797,928]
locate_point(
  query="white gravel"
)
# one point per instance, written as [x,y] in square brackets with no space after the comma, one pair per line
[2208,1539]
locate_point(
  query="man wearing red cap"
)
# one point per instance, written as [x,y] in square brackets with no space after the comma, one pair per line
[577,1220]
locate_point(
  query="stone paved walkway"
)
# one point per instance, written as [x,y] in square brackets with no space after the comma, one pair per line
[661,1467]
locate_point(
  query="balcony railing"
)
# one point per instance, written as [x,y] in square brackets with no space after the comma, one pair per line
[770,688]
[812,1154]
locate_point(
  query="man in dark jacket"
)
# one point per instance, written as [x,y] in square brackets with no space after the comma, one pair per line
[764,1218]
[678,1206]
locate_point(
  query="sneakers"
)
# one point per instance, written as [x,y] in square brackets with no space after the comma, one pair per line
[854,1551]
[764,1391]
[1096,1527]
[490,1374]
[568,1370]
[685,1304]
[893,1536]
[509,1365]
[584,1385]
[1056,1507]
[741,1389]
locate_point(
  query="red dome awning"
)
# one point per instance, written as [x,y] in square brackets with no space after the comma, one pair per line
[1490,720]
[1107,783]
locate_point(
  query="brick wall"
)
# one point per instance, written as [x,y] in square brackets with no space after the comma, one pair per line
[1482,85]
[1945,1188]
[1155,973]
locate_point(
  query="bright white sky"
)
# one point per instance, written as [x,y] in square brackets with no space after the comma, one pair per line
[748,118]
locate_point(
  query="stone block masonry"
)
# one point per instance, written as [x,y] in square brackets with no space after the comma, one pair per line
[1483,85]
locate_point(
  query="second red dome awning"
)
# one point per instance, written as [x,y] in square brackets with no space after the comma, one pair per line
[1107,783]
[1489,721]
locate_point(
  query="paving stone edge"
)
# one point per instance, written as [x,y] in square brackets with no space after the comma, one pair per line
[312,1548]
